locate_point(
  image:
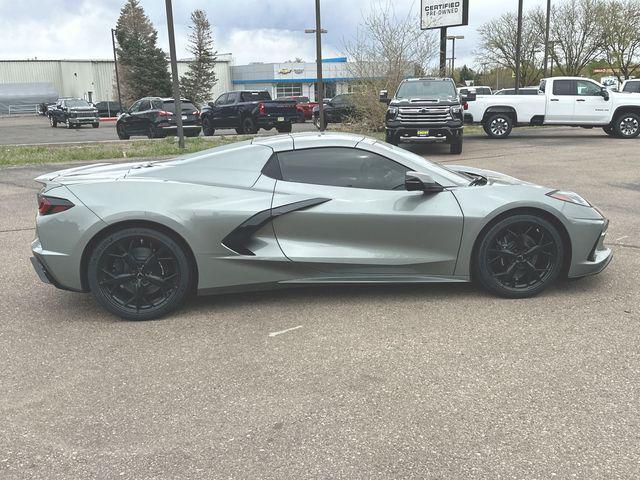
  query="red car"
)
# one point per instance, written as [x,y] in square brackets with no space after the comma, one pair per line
[304,107]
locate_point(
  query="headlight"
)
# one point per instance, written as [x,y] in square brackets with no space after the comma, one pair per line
[570,197]
[73,115]
[392,112]
[455,109]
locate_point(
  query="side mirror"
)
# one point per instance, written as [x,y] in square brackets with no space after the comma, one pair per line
[605,94]
[417,181]
[384,96]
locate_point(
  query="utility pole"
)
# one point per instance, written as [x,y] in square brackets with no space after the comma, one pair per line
[453,50]
[518,47]
[115,61]
[546,38]
[174,73]
[443,51]
[319,83]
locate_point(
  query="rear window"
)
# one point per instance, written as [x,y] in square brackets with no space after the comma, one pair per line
[186,106]
[255,96]
[633,87]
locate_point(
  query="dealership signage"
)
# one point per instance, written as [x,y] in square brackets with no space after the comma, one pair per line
[443,13]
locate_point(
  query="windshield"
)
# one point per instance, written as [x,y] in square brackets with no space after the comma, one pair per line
[77,103]
[426,89]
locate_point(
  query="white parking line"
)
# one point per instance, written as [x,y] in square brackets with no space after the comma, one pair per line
[273,334]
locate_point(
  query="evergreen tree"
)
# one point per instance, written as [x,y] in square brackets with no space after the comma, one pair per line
[200,78]
[142,65]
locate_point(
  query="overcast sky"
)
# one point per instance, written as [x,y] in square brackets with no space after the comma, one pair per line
[252,30]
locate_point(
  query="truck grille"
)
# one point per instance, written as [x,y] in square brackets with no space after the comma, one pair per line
[424,114]
[85,114]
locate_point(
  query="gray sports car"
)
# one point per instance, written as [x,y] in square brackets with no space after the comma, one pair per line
[303,209]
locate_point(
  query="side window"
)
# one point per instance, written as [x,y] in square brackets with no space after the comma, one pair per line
[221,100]
[587,89]
[633,87]
[231,98]
[144,106]
[564,87]
[135,107]
[157,104]
[342,167]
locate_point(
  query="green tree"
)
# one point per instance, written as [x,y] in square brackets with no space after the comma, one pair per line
[142,64]
[200,78]
[467,73]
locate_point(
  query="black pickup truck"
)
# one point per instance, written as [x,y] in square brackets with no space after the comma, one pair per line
[426,110]
[248,111]
[74,112]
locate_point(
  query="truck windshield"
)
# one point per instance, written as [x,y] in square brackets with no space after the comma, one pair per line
[426,89]
[77,103]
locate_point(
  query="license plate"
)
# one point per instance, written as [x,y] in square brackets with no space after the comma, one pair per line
[281,119]
[423,133]
[184,117]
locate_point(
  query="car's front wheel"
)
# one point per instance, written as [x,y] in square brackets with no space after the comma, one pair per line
[122,132]
[139,273]
[391,137]
[498,125]
[207,127]
[519,256]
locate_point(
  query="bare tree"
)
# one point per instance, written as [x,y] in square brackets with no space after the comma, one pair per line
[497,46]
[620,24]
[576,33]
[388,47]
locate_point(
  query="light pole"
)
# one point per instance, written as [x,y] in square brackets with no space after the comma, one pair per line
[115,61]
[453,50]
[546,38]
[319,84]
[174,73]
[518,47]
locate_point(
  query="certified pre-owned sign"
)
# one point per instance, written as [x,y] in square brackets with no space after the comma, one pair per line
[444,13]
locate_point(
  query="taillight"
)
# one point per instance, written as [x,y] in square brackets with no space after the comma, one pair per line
[196,113]
[466,106]
[164,113]
[51,205]
[262,109]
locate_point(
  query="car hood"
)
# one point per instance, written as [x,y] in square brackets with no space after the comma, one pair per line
[492,177]
[91,173]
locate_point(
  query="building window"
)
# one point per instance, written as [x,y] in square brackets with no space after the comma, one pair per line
[288,90]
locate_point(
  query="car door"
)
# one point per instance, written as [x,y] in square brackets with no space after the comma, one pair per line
[360,219]
[216,111]
[128,118]
[141,119]
[561,102]
[591,107]
[231,110]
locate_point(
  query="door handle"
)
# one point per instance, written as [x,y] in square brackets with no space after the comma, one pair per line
[581,100]
[554,100]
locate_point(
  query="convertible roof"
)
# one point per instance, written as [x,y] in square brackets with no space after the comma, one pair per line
[302,140]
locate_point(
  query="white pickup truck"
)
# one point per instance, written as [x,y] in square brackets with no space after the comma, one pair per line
[572,101]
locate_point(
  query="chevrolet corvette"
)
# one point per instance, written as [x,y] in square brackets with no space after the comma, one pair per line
[303,209]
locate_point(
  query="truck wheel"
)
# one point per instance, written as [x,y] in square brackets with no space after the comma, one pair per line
[284,128]
[122,132]
[248,126]
[498,125]
[609,130]
[391,138]
[69,125]
[52,121]
[627,125]
[207,127]
[455,147]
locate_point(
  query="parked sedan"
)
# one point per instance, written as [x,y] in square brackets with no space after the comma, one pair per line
[154,117]
[303,209]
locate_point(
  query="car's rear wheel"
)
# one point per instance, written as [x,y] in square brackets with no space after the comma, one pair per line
[139,273]
[248,126]
[627,125]
[519,256]
[498,125]
[207,127]
[69,125]
[284,128]
[122,132]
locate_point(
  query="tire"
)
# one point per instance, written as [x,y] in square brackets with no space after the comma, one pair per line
[248,126]
[498,125]
[95,125]
[391,138]
[455,147]
[609,130]
[207,127]
[122,132]
[52,121]
[286,128]
[139,273]
[502,265]
[627,125]
[69,125]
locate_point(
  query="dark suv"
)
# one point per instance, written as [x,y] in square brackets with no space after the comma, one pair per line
[336,110]
[154,117]
[426,110]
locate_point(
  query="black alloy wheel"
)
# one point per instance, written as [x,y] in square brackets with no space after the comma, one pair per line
[248,126]
[139,273]
[519,256]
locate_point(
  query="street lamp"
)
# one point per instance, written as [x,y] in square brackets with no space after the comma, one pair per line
[319,85]
[453,51]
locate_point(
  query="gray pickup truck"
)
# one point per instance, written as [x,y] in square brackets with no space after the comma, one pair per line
[74,112]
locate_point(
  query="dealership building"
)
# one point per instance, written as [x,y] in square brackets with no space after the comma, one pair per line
[94,80]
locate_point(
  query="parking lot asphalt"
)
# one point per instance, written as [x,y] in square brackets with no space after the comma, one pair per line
[35,129]
[377,382]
